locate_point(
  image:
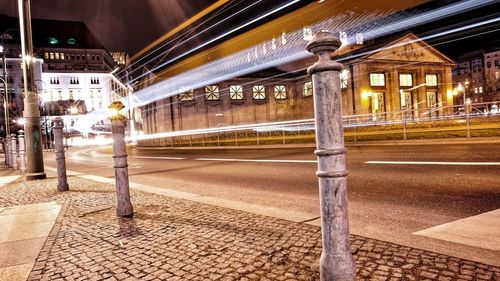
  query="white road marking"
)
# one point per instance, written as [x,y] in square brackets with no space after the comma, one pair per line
[161,158]
[255,160]
[435,163]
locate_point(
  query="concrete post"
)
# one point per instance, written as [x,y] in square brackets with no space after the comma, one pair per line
[62,181]
[7,151]
[124,205]
[4,150]
[22,152]
[336,261]
[13,148]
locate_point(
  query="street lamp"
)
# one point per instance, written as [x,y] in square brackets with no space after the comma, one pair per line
[3,50]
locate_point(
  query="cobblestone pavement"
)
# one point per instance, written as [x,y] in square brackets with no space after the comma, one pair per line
[171,239]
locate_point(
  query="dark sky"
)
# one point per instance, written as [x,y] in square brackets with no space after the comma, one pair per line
[120,25]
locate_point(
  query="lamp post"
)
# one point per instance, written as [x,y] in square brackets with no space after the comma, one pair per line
[34,152]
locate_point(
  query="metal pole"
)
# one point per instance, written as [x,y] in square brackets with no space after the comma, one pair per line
[34,151]
[124,205]
[467,115]
[5,94]
[13,148]
[62,181]
[22,152]
[336,261]
[404,123]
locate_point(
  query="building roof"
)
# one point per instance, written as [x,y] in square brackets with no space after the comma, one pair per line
[53,33]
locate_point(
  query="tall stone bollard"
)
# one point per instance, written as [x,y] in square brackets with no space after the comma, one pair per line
[62,181]
[336,261]
[13,148]
[6,148]
[124,205]
[22,152]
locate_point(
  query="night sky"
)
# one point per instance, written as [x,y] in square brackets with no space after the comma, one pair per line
[120,25]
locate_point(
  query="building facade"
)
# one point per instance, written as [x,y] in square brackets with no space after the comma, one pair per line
[402,74]
[72,72]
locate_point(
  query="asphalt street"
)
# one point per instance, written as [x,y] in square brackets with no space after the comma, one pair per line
[394,191]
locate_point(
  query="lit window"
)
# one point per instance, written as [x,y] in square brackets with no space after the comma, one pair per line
[62,56]
[236,92]
[344,76]
[51,56]
[377,79]
[308,89]
[280,92]
[308,33]
[258,92]
[57,56]
[46,55]
[431,80]
[405,80]
[475,90]
[187,96]
[212,93]
[497,75]
[480,90]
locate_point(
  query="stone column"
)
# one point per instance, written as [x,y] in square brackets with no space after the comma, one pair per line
[62,181]
[22,152]
[13,149]
[124,205]
[336,261]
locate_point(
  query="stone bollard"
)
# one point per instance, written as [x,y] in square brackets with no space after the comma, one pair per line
[62,181]
[124,206]
[336,262]
[22,152]
[8,156]
[6,150]
[13,149]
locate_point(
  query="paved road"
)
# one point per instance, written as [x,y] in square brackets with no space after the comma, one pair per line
[388,201]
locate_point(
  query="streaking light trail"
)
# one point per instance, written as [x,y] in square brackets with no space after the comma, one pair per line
[286,48]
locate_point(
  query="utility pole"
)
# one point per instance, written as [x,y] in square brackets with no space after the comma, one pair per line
[336,262]
[31,113]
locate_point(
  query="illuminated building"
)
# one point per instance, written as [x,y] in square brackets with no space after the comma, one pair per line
[73,71]
[382,78]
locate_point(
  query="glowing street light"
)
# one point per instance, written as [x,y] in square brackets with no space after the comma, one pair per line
[73,110]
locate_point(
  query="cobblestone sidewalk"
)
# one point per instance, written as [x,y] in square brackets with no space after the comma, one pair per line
[171,239]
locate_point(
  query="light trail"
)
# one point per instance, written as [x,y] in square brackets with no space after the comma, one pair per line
[256,160]
[261,81]
[159,158]
[434,163]
[186,33]
[220,37]
[254,59]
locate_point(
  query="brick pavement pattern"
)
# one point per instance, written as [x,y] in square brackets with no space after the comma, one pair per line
[172,239]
